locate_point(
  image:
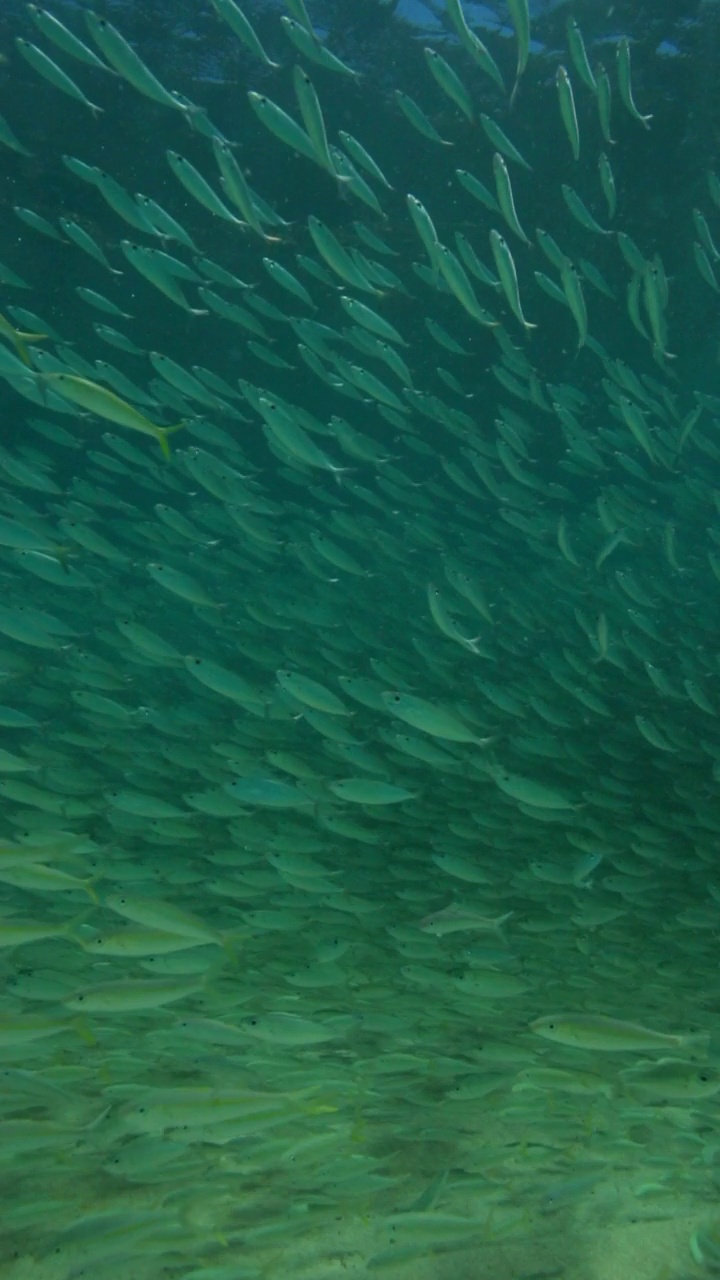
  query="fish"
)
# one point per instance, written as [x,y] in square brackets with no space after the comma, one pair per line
[66,40]
[418,119]
[598,1033]
[303,37]
[507,272]
[520,17]
[96,399]
[625,83]
[130,995]
[233,15]
[579,55]
[449,82]
[567,110]
[284,127]
[82,238]
[367,791]
[506,199]
[199,188]
[457,919]
[54,74]
[120,55]
[381,719]
[438,721]
[671,1079]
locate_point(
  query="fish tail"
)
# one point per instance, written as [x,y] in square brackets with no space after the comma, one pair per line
[162,435]
[89,888]
[81,1026]
[696,1040]
[30,337]
[228,942]
[70,929]
[20,342]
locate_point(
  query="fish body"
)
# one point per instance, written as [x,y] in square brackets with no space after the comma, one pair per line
[105,404]
[458,919]
[597,1033]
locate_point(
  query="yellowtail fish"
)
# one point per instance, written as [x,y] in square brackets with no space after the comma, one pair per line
[19,339]
[671,1080]
[131,995]
[595,1032]
[105,404]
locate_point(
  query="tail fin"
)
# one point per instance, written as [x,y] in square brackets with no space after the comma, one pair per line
[20,341]
[162,436]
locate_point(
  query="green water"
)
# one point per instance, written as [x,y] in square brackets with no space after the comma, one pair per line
[358,761]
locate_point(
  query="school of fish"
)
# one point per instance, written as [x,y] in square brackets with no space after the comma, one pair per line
[359,698]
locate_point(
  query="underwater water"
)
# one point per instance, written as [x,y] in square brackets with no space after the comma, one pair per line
[359,664]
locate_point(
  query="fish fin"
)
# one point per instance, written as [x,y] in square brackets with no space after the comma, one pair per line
[228,942]
[696,1040]
[81,1026]
[30,337]
[20,341]
[69,930]
[90,890]
[162,436]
